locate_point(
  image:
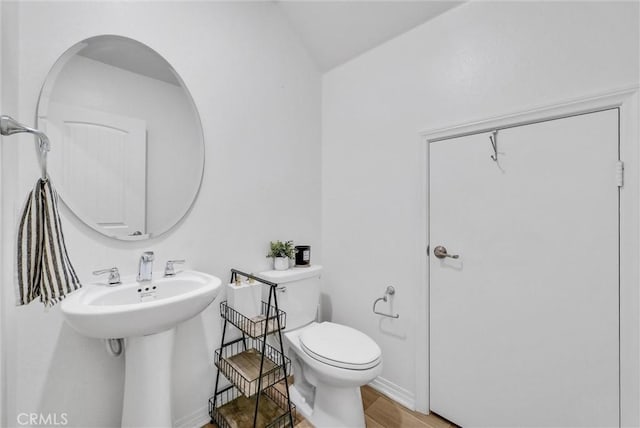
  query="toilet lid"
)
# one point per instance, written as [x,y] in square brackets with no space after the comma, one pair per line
[340,346]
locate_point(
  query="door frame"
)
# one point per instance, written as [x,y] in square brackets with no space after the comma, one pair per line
[627,101]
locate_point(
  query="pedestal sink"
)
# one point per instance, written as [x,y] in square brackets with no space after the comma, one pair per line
[145,313]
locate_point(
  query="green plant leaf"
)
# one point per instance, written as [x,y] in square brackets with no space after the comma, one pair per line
[281,249]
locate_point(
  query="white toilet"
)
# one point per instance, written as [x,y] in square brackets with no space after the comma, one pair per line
[330,362]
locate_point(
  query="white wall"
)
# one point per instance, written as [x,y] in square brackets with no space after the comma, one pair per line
[2,351]
[479,60]
[84,82]
[8,103]
[259,99]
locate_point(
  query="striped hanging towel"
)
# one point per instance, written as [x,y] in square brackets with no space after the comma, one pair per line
[44,268]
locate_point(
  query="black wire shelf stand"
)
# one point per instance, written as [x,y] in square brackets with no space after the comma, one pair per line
[252,347]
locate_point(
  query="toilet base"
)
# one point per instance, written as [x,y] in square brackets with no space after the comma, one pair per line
[337,407]
[302,406]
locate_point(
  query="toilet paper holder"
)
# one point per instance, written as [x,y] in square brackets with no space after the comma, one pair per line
[390,291]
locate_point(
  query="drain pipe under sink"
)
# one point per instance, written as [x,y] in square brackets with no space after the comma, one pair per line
[114,347]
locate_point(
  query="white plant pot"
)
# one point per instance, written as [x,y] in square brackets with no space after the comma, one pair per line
[281,263]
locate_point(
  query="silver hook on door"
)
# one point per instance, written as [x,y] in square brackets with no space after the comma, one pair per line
[494,143]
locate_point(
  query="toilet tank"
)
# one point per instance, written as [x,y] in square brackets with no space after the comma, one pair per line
[298,293]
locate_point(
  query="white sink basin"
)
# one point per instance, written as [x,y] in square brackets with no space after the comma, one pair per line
[139,309]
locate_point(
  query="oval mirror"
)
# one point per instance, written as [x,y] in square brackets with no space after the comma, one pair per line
[127,148]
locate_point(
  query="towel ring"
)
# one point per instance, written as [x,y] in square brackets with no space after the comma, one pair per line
[390,291]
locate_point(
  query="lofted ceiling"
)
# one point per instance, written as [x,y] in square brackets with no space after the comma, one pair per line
[333,32]
[336,31]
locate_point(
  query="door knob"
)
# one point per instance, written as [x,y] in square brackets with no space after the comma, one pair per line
[441,252]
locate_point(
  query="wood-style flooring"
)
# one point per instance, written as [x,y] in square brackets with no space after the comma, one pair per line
[382,412]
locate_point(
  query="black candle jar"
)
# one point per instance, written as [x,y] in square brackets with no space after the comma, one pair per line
[303,255]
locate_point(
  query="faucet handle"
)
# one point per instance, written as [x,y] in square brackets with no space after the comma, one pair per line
[147,256]
[114,275]
[169,269]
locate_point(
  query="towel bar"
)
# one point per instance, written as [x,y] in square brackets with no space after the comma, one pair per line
[9,126]
[390,291]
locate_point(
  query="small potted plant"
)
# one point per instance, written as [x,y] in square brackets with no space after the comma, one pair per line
[281,253]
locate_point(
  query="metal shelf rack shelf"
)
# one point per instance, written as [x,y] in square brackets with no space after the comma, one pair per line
[229,403]
[254,327]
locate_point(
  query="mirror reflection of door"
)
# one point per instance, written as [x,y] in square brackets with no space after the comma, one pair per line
[103,167]
[123,79]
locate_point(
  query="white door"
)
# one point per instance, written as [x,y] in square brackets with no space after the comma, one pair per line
[98,163]
[524,324]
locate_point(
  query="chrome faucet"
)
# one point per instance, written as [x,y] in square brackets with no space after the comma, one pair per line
[145,268]
[114,275]
[169,269]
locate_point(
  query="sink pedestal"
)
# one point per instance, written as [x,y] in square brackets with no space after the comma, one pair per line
[147,380]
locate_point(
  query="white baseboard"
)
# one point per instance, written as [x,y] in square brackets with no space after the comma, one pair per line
[395,392]
[197,419]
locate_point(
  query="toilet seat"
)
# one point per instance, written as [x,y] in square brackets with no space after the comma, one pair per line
[340,346]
